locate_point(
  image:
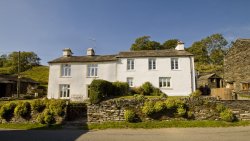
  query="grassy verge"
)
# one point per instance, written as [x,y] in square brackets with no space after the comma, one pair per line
[28,126]
[165,124]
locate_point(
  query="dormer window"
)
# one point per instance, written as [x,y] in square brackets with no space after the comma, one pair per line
[66,70]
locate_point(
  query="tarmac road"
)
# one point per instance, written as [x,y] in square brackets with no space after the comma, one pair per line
[166,134]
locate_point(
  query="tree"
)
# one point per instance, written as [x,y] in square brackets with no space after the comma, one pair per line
[27,61]
[170,44]
[144,43]
[3,59]
[200,52]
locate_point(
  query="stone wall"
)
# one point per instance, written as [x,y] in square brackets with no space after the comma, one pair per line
[203,109]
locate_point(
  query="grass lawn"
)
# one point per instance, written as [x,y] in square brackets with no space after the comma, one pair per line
[165,124]
[28,126]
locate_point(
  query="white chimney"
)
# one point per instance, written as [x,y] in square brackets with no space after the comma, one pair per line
[90,52]
[67,52]
[180,46]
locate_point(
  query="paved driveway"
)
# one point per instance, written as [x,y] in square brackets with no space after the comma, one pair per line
[167,134]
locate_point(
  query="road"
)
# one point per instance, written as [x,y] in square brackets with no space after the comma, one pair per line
[167,134]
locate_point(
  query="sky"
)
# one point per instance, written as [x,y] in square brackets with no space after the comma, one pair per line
[46,27]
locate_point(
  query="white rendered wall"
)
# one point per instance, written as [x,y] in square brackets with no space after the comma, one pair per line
[181,80]
[78,80]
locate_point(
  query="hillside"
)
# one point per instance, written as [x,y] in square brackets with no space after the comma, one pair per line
[38,73]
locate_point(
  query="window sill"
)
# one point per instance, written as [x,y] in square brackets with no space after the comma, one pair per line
[152,70]
[176,69]
[92,77]
[64,97]
[65,76]
[166,88]
[130,70]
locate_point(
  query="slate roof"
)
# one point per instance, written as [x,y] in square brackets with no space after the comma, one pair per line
[13,79]
[128,54]
[205,77]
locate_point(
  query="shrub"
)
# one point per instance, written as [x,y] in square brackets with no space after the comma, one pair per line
[23,109]
[227,115]
[129,115]
[7,110]
[157,92]
[170,103]
[38,105]
[57,107]
[147,88]
[220,108]
[120,88]
[139,97]
[159,106]
[163,95]
[47,117]
[99,89]
[148,108]
[181,111]
[196,93]
[190,115]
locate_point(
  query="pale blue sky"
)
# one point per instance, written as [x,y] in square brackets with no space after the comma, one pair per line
[48,26]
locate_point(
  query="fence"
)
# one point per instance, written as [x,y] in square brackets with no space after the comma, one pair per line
[223,93]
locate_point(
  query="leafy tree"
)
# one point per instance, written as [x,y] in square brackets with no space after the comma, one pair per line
[144,43]
[27,61]
[3,59]
[169,44]
[200,52]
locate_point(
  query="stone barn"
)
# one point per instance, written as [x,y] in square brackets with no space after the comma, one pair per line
[237,66]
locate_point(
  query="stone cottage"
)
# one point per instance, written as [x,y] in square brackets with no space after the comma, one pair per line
[237,66]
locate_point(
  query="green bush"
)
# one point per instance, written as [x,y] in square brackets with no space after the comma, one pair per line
[57,107]
[47,117]
[7,110]
[181,111]
[139,97]
[220,108]
[120,88]
[129,115]
[38,105]
[196,93]
[158,92]
[148,108]
[23,109]
[227,115]
[159,106]
[147,88]
[170,103]
[99,90]
[190,115]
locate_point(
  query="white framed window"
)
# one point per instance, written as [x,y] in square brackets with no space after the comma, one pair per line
[164,82]
[65,70]
[64,90]
[151,64]
[130,81]
[92,70]
[130,64]
[174,63]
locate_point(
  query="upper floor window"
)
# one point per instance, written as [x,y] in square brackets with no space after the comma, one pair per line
[92,70]
[130,81]
[164,82]
[151,64]
[66,70]
[174,64]
[64,90]
[130,64]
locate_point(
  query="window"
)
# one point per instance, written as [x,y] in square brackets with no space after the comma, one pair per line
[92,70]
[66,70]
[164,82]
[130,81]
[245,86]
[174,64]
[64,90]
[130,64]
[151,64]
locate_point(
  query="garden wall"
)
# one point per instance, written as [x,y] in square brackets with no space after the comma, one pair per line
[202,109]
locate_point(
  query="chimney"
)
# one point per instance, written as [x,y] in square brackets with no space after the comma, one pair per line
[90,52]
[180,46]
[67,52]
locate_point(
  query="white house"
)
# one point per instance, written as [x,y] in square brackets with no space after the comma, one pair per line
[170,70]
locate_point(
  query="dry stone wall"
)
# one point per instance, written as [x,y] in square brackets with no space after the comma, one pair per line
[203,109]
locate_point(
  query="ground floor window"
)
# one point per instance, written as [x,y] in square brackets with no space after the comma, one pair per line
[164,82]
[130,81]
[64,90]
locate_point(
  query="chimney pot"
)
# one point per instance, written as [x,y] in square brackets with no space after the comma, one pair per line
[180,46]
[67,52]
[90,52]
